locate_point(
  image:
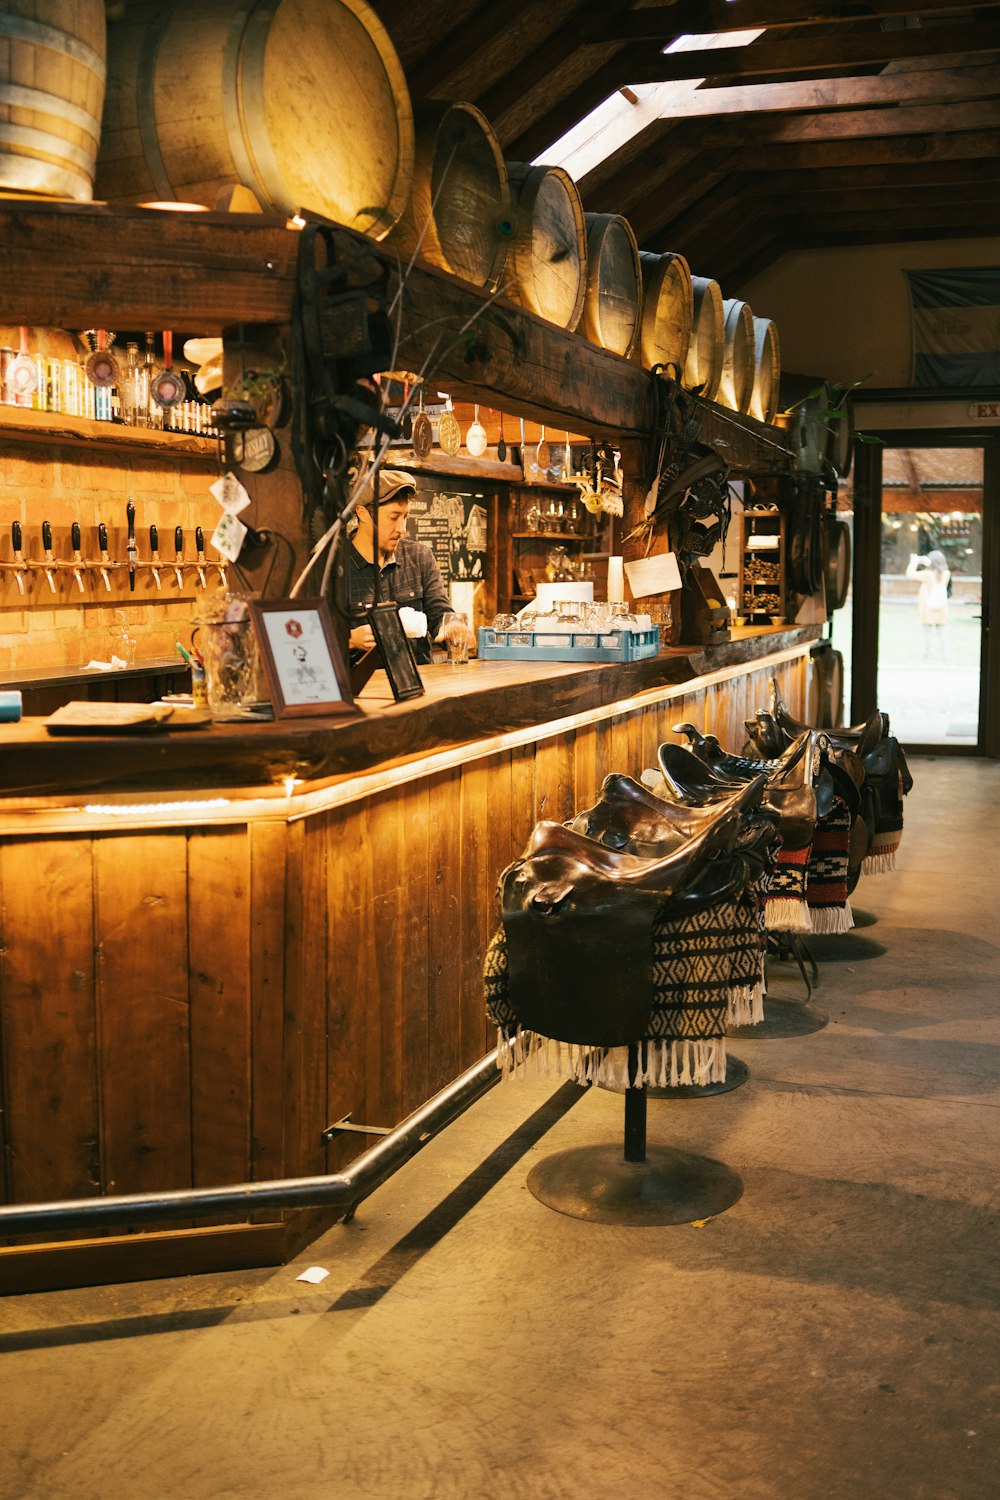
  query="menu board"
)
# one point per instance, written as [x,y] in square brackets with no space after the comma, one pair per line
[452,522]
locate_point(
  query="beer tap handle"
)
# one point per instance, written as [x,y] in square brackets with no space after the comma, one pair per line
[154,553]
[49,562]
[76,542]
[18,564]
[132,551]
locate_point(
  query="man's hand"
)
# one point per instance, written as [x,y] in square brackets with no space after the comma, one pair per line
[361,638]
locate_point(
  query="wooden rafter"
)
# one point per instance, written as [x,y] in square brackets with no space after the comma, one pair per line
[826,54]
[658,22]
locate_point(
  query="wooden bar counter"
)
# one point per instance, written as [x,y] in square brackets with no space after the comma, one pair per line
[217,943]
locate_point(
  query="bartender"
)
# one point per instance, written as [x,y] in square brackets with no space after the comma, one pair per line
[408,571]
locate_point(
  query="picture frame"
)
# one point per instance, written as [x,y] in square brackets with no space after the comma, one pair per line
[396,652]
[304,665]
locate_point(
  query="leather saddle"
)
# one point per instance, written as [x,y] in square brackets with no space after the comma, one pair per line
[795,791]
[578,919]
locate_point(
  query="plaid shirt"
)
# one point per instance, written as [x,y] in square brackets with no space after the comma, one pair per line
[412,577]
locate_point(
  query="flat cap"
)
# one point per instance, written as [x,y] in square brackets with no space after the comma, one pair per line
[393,484]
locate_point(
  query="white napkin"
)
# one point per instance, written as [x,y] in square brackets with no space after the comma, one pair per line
[414,621]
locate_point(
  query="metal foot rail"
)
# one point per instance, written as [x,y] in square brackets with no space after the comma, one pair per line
[343,1189]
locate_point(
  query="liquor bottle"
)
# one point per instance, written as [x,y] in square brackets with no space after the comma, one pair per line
[154,413]
[130,391]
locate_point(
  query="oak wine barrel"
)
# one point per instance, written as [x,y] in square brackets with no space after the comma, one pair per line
[825,697]
[547,261]
[458,215]
[52,78]
[736,384]
[805,403]
[667,309]
[305,105]
[703,368]
[840,434]
[836,562]
[767,370]
[612,306]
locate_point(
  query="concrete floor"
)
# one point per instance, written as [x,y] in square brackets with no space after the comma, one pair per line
[833,1335]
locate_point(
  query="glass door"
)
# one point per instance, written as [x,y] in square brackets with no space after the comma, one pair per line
[912,633]
[930,635]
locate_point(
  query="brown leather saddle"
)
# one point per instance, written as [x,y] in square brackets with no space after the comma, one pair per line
[796,791]
[887,779]
[578,918]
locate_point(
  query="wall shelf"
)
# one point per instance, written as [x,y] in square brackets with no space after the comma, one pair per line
[21,424]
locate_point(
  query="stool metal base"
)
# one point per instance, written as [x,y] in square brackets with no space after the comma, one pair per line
[783,1018]
[863,918]
[669,1187]
[737,1074]
[844,947]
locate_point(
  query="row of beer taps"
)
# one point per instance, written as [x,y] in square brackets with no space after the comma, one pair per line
[49,565]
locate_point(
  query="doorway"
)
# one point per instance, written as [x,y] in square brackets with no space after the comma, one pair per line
[915,635]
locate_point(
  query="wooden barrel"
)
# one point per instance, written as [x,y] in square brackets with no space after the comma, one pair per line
[547,262]
[305,105]
[825,698]
[703,367]
[52,73]
[736,384]
[667,309]
[836,562]
[458,215]
[805,404]
[767,370]
[840,433]
[612,305]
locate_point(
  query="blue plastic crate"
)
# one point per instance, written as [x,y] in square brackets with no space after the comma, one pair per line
[577,645]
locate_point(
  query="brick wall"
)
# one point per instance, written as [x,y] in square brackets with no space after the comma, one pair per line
[62,484]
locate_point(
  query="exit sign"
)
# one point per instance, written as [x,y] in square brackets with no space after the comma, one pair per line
[985,411]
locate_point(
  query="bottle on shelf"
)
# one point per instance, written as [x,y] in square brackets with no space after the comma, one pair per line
[153,412]
[135,389]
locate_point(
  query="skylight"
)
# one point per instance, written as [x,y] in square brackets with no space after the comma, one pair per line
[618,120]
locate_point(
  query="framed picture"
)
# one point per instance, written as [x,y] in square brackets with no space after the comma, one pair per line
[305,669]
[395,651]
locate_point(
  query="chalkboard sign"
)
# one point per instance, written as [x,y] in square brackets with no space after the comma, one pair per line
[452,521]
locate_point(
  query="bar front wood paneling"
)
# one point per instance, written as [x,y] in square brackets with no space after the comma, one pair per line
[255,981]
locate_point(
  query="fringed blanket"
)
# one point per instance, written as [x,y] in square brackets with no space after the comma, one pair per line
[786,909]
[707,970]
[826,872]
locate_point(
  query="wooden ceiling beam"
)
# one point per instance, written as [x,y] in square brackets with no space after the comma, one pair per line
[465,44]
[930,201]
[711,199]
[807,157]
[701,17]
[918,176]
[968,219]
[926,85]
[832,125]
[810,54]
[893,234]
[544,67]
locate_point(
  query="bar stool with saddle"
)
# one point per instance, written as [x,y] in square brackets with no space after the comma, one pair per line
[616,967]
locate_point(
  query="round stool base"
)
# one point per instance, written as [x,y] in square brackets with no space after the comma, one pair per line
[783,1018]
[843,947]
[669,1187]
[737,1074]
[863,918]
